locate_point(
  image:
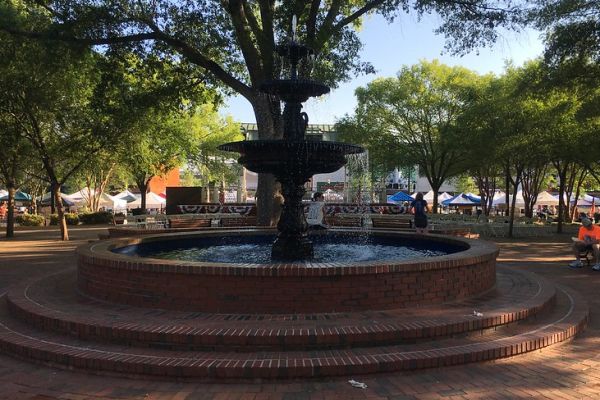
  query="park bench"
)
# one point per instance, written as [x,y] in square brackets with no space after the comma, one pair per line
[238,221]
[344,220]
[189,222]
[392,222]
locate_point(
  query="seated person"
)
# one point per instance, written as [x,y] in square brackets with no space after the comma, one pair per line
[316,212]
[587,239]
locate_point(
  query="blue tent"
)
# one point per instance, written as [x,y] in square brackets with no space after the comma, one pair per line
[462,200]
[400,197]
[19,196]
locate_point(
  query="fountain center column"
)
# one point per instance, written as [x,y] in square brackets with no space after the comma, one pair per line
[292,242]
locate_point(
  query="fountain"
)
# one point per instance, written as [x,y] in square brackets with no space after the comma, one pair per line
[126,309]
[293,159]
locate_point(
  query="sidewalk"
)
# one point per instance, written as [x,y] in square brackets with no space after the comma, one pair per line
[567,371]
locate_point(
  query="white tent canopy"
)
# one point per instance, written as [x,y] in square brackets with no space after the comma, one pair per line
[85,196]
[3,193]
[111,202]
[126,195]
[502,200]
[45,199]
[546,199]
[444,196]
[589,198]
[428,197]
[152,201]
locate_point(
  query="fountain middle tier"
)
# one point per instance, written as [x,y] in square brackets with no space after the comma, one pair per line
[285,158]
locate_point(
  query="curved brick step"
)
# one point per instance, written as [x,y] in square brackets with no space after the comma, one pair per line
[563,321]
[50,304]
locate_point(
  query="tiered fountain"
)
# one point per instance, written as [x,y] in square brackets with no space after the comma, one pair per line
[294,159]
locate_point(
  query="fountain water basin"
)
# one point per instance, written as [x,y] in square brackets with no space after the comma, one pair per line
[293,287]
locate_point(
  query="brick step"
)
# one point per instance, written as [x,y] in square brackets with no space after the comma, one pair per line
[568,317]
[50,304]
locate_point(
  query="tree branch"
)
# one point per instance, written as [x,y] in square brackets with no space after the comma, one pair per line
[311,22]
[249,51]
[87,41]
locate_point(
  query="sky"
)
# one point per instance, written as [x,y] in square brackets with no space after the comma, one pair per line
[389,47]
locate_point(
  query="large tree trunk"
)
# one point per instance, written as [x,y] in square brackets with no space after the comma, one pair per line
[10,215]
[268,119]
[512,212]
[561,171]
[62,223]
[143,187]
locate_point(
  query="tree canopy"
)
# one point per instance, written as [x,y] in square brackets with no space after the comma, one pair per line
[230,44]
[413,119]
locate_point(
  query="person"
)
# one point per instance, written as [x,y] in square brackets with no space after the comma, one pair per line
[419,209]
[3,210]
[588,239]
[316,212]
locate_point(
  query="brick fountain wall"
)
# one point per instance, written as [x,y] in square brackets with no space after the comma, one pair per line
[282,288]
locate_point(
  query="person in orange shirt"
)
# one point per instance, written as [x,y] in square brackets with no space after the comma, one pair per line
[588,239]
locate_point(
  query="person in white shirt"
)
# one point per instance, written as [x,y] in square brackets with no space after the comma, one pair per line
[316,212]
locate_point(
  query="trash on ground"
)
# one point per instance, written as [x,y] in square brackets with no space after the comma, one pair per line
[357,384]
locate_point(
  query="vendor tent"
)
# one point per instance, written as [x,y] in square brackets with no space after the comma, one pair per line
[66,200]
[399,197]
[462,199]
[546,199]
[126,195]
[152,201]
[19,196]
[428,197]
[83,196]
[444,196]
[500,201]
[3,193]
[112,203]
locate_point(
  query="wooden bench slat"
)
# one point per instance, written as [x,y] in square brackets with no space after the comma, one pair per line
[189,222]
[238,221]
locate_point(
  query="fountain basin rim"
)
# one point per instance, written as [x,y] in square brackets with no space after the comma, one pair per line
[311,145]
[477,252]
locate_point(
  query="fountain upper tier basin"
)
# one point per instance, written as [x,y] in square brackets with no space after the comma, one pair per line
[286,158]
[284,288]
[294,90]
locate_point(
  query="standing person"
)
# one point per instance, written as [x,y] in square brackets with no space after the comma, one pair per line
[588,239]
[316,214]
[419,209]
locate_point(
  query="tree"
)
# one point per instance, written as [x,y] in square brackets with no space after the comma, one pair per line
[156,147]
[231,43]
[572,29]
[211,130]
[482,122]
[415,117]
[16,159]
[47,88]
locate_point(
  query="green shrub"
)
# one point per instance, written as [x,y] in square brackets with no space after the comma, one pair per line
[30,220]
[100,217]
[71,218]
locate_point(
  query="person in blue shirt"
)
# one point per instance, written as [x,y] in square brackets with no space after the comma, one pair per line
[419,209]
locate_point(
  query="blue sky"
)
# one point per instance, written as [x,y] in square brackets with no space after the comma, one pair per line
[405,42]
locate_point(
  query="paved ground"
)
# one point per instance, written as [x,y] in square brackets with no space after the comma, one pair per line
[567,371]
